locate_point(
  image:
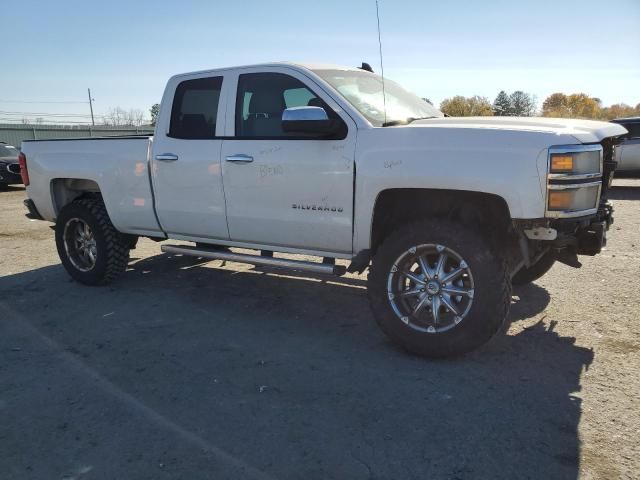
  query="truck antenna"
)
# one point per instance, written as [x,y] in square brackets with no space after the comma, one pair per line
[384,96]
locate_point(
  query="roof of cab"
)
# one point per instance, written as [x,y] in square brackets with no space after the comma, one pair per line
[306,66]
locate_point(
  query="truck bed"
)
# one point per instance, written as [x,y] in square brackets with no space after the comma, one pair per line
[119,167]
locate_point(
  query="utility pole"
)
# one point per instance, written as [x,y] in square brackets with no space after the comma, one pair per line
[91,107]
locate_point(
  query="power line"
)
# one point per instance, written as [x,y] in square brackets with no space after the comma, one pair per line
[46,114]
[19,122]
[30,101]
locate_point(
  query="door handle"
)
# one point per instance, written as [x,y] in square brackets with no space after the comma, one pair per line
[239,158]
[167,157]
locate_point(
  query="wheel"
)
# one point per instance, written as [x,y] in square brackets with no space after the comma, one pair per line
[92,251]
[438,289]
[535,271]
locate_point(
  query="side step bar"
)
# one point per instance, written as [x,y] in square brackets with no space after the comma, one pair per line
[314,267]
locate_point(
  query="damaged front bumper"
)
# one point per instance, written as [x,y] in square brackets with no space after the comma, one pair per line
[583,236]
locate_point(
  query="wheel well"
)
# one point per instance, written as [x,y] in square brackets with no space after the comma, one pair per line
[484,211]
[66,190]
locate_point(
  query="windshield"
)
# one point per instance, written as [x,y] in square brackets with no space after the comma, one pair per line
[8,151]
[363,90]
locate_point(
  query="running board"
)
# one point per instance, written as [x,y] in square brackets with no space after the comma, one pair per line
[314,267]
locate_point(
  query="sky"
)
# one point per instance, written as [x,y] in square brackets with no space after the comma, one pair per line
[126,50]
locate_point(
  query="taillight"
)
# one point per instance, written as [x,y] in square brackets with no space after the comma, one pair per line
[24,173]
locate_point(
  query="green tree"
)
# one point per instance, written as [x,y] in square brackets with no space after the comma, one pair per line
[460,106]
[522,104]
[155,110]
[502,104]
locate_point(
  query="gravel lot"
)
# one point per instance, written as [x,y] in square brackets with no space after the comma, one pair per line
[184,369]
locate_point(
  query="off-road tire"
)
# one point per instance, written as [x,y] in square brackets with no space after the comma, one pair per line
[526,275]
[112,246]
[492,289]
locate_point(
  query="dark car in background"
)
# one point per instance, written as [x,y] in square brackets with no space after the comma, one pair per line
[628,152]
[9,165]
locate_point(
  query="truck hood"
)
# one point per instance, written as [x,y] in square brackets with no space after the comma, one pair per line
[585,131]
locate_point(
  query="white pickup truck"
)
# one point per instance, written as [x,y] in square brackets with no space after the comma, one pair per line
[331,162]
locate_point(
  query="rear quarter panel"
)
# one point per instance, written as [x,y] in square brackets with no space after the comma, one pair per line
[118,166]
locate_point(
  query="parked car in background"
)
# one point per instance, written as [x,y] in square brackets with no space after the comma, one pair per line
[628,152]
[9,166]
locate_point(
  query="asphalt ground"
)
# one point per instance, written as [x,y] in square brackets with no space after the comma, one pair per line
[185,369]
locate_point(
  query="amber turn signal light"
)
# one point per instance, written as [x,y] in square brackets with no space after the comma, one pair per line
[561,163]
[560,199]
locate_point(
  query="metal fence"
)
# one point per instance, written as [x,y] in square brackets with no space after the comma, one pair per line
[14,134]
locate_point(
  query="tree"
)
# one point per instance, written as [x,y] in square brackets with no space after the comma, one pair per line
[118,117]
[555,105]
[154,110]
[518,104]
[582,105]
[502,104]
[460,106]
[522,104]
[576,105]
[619,110]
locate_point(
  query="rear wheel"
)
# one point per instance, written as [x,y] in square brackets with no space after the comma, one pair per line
[438,289]
[92,251]
[530,274]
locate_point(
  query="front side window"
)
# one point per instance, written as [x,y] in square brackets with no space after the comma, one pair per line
[195,109]
[261,99]
[364,90]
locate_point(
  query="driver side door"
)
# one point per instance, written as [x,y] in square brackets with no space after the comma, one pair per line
[283,189]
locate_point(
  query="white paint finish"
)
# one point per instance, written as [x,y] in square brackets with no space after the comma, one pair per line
[118,166]
[503,156]
[188,192]
[315,173]
[500,162]
[582,131]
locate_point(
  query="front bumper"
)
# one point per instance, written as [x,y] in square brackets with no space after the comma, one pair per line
[586,235]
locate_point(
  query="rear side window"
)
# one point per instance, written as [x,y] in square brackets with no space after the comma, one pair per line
[195,108]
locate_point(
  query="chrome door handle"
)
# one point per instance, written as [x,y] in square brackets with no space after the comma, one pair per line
[239,158]
[167,157]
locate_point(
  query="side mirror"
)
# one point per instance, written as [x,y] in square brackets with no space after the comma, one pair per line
[313,120]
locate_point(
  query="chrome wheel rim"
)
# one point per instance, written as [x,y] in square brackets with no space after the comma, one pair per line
[80,244]
[430,288]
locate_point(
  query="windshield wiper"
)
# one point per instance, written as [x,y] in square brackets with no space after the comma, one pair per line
[405,121]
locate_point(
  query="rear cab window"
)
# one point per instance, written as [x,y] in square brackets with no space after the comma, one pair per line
[195,109]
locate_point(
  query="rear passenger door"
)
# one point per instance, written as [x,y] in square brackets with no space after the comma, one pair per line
[187,177]
[284,189]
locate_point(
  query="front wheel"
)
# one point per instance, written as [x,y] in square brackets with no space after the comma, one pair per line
[438,289]
[92,251]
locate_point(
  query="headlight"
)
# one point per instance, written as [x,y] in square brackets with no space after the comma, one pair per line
[574,180]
